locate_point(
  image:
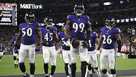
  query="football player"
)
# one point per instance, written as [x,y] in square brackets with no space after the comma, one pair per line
[77,29]
[29,36]
[49,39]
[65,48]
[92,56]
[15,50]
[108,38]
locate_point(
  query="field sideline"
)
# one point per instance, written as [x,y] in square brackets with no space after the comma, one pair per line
[7,67]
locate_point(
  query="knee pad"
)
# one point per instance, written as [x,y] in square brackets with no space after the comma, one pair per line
[104,71]
[113,71]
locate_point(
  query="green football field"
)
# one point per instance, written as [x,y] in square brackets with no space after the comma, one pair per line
[7,67]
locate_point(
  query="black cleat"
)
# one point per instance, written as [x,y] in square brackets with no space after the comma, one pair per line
[46,75]
[91,75]
[26,75]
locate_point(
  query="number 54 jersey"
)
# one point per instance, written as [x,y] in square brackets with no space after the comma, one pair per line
[28,33]
[78,26]
[109,37]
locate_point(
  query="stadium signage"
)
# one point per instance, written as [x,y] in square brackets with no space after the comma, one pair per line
[31,6]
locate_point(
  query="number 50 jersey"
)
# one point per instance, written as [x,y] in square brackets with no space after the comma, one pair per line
[78,26]
[109,37]
[28,33]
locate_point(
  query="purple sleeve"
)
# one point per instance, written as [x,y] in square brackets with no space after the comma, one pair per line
[101,30]
[69,17]
[55,29]
[95,34]
[88,18]
[117,31]
[20,26]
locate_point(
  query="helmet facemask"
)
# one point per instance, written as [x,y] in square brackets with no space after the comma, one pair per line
[48,22]
[79,10]
[29,17]
[110,22]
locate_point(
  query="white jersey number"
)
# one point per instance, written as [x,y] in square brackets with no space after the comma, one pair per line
[65,42]
[90,44]
[28,32]
[79,27]
[48,36]
[107,40]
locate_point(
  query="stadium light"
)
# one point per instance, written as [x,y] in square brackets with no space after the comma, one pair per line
[134,19]
[131,19]
[127,20]
[121,2]
[122,20]
[118,21]
[107,3]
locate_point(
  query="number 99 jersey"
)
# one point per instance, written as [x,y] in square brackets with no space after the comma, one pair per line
[28,33]
[78,26]
[109,37]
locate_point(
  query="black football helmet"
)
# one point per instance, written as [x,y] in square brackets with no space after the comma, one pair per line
[29,17]
[79,10]
[110,22]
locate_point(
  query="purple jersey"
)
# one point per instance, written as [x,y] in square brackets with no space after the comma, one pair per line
[109,37]
[78,26]
[48,36]
[92,41]
[64,41]
[28,33]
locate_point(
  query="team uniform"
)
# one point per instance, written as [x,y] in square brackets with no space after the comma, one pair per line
[28,45]
[65,48]
[92,56]
[108,52]
[14,50]
[78,32]
[48,48]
